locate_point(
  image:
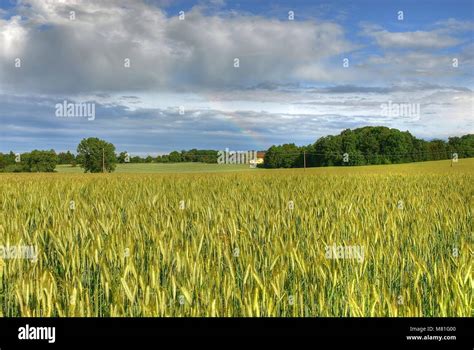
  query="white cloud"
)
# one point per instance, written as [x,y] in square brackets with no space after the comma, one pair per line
[12,38]
[290,86]
[411,40]
[87,54]
[452,25]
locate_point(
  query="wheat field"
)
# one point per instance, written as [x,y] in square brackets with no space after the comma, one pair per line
[240,244]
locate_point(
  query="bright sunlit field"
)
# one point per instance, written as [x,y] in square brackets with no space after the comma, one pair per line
[392,240]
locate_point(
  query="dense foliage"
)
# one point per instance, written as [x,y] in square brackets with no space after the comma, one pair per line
[96,155]
[363,146]
[368,145]
[44,159]
[35,161]
[66,158]
[194,155]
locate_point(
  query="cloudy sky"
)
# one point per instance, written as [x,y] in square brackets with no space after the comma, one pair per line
[237,74]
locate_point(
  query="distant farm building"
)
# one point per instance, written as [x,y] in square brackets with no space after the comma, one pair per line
[260,157]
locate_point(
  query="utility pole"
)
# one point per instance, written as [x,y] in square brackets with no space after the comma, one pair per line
[103,160]
[304,160]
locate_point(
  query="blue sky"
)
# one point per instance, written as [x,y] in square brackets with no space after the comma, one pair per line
[182,89]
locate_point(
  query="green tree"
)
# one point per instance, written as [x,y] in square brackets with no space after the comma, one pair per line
[8,163]
[66,158]
[96,155]
[463,146]
[137,159]
[368,145]
[122,157]
[174,157]
[284,156]
[40,161]
[438,150]
[4,162]
[328,151]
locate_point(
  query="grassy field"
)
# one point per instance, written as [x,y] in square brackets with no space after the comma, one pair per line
[443,166]
[358,241]
[165,168]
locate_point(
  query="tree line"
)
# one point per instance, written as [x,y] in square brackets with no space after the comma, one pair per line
[362,146]
[94,155]
[194,155]
[366,146]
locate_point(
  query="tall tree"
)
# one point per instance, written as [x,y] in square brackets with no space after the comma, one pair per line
[96,155]
[41,161]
